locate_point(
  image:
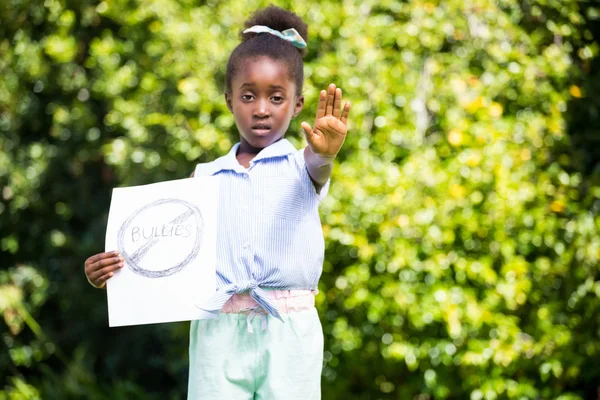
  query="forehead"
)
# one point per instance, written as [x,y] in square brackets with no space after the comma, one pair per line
[263,72]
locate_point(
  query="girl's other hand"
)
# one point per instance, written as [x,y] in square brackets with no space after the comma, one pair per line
[100,267]
[330,129]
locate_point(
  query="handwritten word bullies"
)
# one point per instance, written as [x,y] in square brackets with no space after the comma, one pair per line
[149,229]
[161,231]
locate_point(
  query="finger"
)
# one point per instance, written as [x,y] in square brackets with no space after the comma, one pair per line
[106,270]
[344,118]
[101,256]
[103,263]
[337,105]
[100,282]
[322,104]
[307,130]
[330,99]
[98,265]
[96,284]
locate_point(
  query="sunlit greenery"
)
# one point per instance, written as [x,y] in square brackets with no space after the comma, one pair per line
[462,224]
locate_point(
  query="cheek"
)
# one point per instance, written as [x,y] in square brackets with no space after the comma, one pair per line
[240,112]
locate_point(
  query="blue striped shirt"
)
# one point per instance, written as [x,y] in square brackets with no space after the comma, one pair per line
[269,232]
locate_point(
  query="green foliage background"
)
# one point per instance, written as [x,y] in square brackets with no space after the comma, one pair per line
[462,225]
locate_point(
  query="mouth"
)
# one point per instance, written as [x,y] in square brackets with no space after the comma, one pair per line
[261,128]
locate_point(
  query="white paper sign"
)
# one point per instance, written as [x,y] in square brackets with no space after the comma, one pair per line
[166,232]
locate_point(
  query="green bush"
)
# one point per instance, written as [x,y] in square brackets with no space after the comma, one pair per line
[462,224]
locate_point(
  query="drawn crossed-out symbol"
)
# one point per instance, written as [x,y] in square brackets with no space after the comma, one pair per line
[134,260]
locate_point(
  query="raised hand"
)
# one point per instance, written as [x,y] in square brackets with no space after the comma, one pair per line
[328,135]
[101,267]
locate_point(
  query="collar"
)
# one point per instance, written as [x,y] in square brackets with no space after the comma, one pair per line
[281,148]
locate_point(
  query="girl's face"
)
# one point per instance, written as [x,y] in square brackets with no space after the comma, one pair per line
[263,101]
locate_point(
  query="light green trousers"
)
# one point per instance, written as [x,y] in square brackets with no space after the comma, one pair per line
[281,362]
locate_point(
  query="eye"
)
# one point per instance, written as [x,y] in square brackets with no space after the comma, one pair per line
[277,99]
[247,97]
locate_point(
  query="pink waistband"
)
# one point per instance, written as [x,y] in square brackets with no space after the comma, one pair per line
[286,301]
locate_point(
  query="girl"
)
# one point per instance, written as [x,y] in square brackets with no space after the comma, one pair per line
[267,341]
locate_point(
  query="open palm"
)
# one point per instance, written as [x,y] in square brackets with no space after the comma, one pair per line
[327,137]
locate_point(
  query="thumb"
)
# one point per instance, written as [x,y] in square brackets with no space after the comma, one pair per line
[307,130]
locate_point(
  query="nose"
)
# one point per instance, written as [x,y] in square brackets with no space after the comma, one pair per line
[262,109]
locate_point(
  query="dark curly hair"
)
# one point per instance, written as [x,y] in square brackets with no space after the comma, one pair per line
[256,45]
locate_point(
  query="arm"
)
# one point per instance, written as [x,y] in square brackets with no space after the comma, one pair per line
[319,167]
[327,137]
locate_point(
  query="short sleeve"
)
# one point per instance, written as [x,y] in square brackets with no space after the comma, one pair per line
[305,176]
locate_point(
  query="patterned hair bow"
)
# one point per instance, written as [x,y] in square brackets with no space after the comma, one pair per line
[290,35]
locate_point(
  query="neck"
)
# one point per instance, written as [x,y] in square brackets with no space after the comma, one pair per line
[247,152]
[247,148]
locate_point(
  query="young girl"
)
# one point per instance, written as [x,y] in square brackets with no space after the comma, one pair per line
[267,341]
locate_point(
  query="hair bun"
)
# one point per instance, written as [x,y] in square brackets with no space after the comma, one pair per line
[278,19]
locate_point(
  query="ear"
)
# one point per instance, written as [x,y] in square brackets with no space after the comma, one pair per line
[228,102]
[299,105]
